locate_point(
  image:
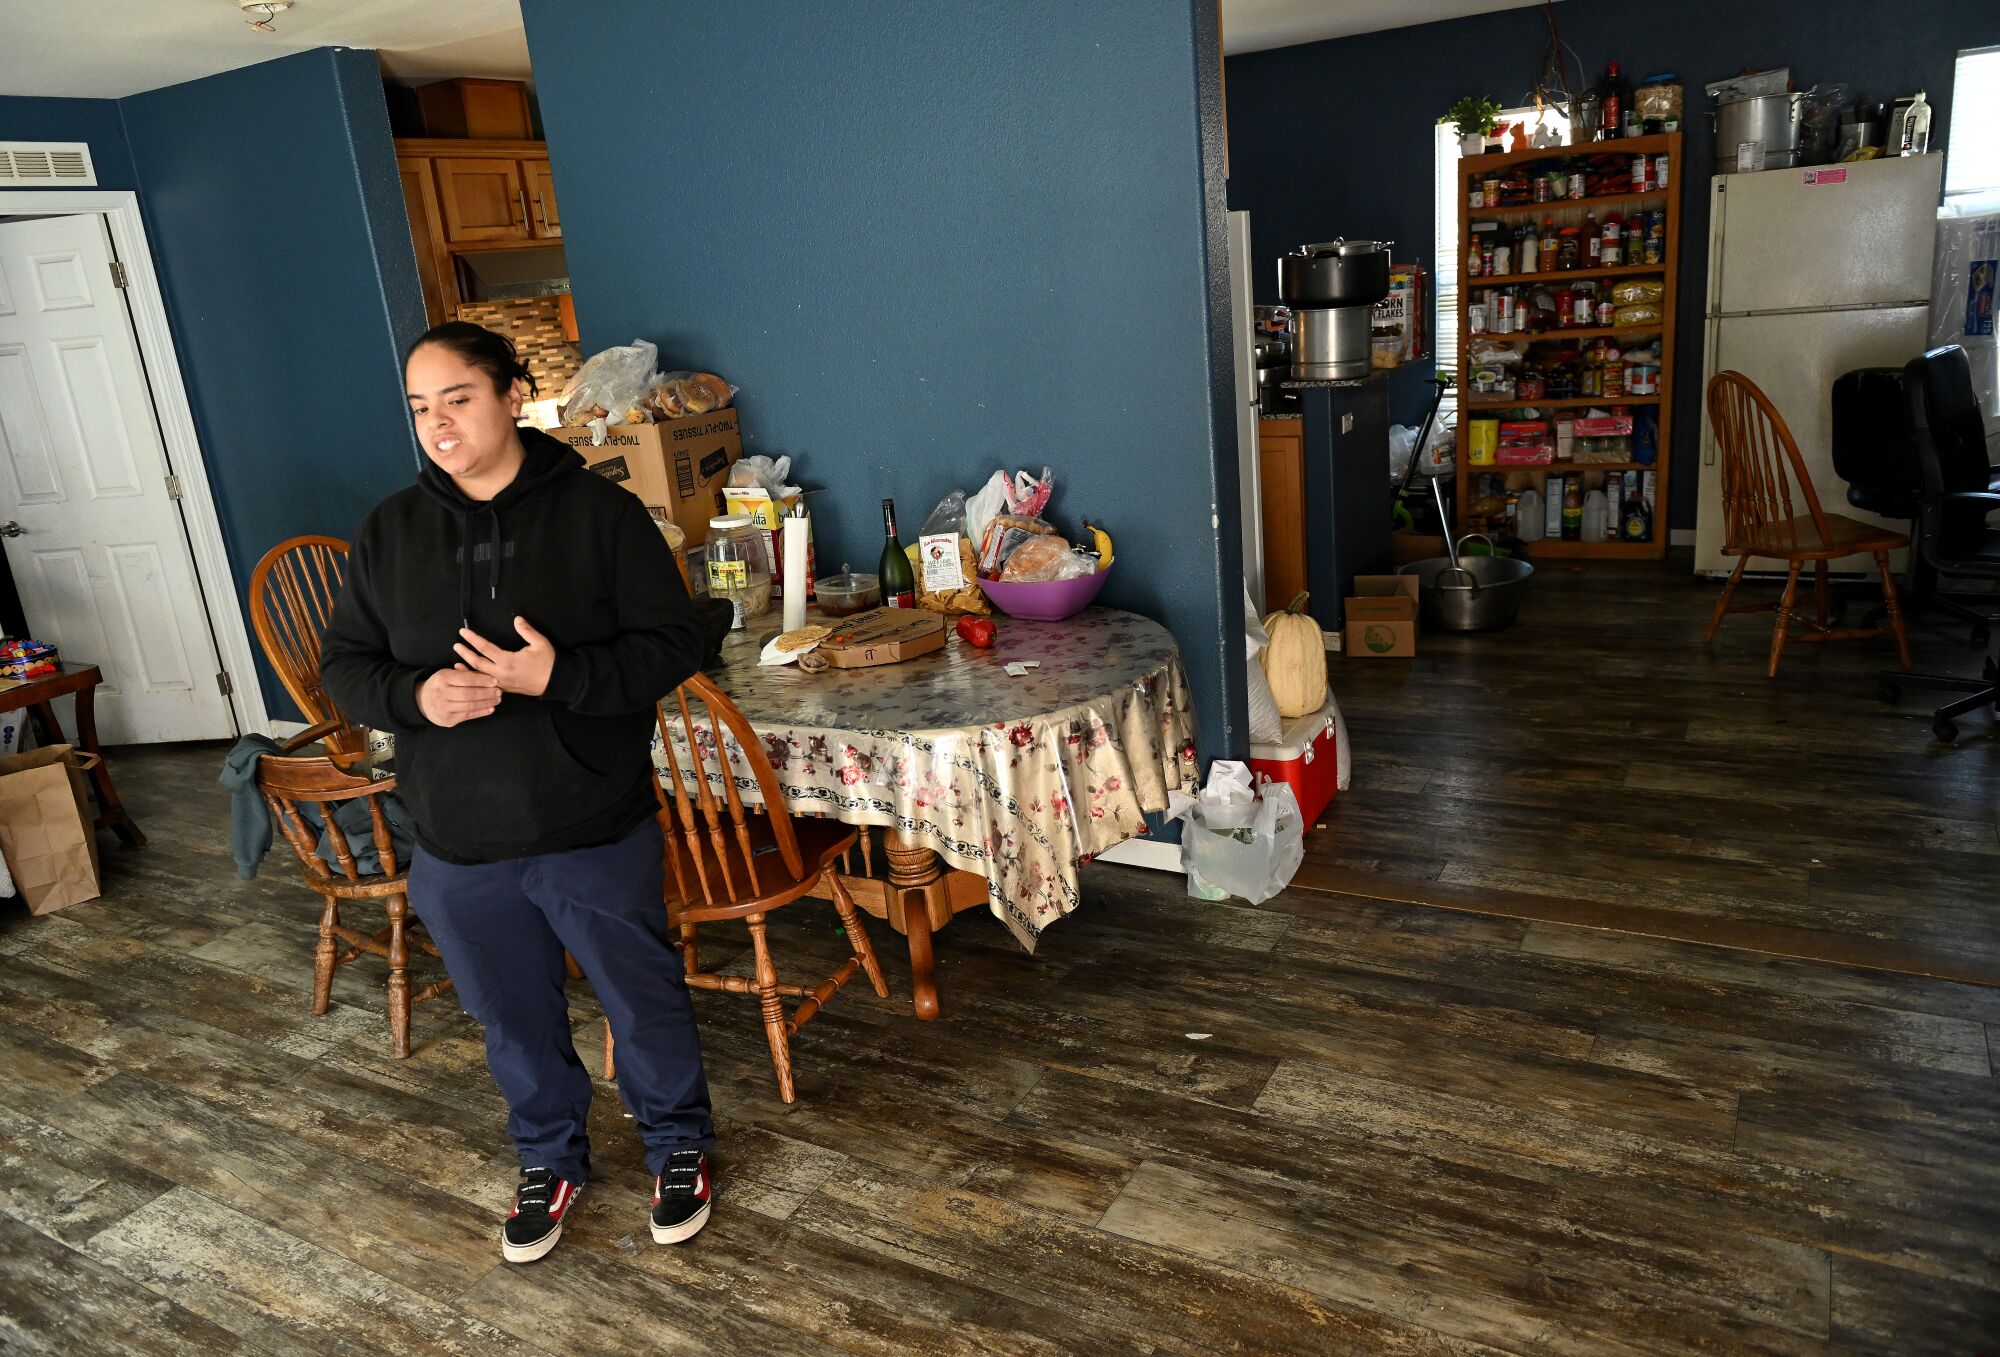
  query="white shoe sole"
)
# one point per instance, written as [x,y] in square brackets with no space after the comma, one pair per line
[528,1253]
[686,1230]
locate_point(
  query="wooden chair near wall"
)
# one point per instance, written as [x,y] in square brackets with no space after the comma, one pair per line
[1761,473]
[292,592]
[723,863]
[289,781]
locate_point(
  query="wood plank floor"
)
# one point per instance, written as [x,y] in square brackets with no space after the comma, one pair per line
[1599,758]
[1325,1125]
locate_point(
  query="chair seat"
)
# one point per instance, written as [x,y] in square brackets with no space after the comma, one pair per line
[1797,539]
[820,842]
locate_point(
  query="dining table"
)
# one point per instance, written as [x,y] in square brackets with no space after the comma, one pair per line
[996,773]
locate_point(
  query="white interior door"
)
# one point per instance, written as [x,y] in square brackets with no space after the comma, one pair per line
[1794,359]
[95,540]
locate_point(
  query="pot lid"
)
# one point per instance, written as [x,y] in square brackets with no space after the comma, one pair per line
[1344,247]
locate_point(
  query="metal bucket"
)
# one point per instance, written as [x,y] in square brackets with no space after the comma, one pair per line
[1773,121]
[1488,601]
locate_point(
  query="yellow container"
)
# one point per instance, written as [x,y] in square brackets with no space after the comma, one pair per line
[1482,443]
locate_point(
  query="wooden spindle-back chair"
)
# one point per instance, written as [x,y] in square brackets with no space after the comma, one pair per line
[292,592]
[290,780]
[723,862]
[1762,472]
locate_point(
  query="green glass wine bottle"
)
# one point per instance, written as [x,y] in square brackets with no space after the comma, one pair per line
[899,583]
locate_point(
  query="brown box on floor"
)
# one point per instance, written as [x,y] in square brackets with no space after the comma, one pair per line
[1382,617]
[676,468]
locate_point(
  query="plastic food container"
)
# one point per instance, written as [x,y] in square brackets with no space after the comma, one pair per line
[845,593]
[739,565]
[1048,601]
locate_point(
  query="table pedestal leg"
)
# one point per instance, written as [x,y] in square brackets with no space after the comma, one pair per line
[914,872]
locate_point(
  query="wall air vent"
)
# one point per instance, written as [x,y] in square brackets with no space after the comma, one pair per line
[46,164]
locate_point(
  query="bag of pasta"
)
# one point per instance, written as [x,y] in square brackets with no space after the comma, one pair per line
[1638,292]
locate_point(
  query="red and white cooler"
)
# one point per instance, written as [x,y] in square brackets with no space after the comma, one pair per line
[1311,754]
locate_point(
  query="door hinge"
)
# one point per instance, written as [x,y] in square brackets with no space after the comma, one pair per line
[118,275]
[173,487]
[222,682]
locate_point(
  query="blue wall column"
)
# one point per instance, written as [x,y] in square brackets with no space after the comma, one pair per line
[927,241]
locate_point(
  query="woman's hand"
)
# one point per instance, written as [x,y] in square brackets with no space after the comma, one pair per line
[525,671]
[454,696]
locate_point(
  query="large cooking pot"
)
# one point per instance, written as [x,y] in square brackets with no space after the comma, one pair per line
[1335,273]
[1480,593]
[1774,121]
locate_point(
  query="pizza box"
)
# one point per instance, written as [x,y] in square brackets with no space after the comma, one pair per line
[882,636]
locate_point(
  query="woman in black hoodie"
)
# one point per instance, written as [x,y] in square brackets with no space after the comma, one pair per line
[512,619]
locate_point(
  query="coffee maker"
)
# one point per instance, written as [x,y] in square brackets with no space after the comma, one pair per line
[1332,288]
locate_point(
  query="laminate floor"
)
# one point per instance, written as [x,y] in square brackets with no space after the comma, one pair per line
[1598,755]
[1325,1125]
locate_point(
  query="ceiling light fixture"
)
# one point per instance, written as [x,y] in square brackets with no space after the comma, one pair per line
[259,13]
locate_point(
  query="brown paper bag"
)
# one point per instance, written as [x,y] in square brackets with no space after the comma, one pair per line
[47,829]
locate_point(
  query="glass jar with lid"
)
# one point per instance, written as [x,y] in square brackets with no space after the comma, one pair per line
[739,564]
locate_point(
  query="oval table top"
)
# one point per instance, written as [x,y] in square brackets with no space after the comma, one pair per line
[961,687]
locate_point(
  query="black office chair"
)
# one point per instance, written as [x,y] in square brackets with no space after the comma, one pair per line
[1874,453]
[1953,534]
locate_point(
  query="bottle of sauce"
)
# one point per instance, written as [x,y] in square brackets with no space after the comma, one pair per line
[1616,100]
[1593,239]
[1528,248]
[1565,305]
[1611,252]
[899,582]
[1549,245]
[1569,252]
[1572,512]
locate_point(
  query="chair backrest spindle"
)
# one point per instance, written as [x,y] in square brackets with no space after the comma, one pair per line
[292,594]
[1761,466]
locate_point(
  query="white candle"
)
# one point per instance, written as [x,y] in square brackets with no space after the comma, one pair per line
[796,529]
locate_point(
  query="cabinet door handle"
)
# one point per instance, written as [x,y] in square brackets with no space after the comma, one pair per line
[542,211]
[521,196]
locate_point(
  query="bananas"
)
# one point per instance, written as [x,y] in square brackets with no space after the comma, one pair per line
[1103,543]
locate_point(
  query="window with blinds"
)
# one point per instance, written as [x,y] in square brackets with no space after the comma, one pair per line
[1972,150]
[1450,266]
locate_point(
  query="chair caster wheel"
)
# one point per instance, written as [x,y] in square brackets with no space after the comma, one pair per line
[1946,731]
[1889,692]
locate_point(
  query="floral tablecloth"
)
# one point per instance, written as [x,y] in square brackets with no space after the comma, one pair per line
[1019,779]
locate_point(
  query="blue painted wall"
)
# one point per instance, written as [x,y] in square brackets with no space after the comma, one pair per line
[929,240]
[93,121]
[278,229]
[1335,138]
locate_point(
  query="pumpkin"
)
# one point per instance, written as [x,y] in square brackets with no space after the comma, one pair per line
[1295,660]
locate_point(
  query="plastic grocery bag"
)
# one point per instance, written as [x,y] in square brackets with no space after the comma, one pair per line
[1253,862]
[988,504]
[1266,726]
[609,384]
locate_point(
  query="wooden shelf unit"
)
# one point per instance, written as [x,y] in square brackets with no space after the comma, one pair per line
[1571,211]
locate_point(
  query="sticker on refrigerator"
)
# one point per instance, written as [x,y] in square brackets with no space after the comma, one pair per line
[1825,177]
[1979,296]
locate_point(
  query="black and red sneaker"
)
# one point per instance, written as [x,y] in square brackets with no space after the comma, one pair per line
[681,1197]
[540,1203]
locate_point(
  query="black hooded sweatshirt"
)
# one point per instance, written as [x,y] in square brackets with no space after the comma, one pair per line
[578,557]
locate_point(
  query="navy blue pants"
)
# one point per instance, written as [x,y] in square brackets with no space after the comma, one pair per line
[501,928]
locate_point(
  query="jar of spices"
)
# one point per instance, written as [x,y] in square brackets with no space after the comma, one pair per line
[739,565]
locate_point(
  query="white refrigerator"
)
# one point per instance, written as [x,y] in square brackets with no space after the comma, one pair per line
[1813,273]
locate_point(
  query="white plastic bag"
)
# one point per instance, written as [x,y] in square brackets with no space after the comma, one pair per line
[1252,863]
[982,508]
[1266,726]
[609,384]
[1402,447]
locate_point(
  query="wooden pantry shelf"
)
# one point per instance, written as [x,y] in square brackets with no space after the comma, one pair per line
[1561,275]
[1574,332]
[1658,408]
[1565,403]
[1668,142]
[1554,205]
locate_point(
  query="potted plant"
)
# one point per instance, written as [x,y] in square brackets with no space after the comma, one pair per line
[1474,119]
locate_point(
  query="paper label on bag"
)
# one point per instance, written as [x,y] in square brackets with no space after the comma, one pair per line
[943,570]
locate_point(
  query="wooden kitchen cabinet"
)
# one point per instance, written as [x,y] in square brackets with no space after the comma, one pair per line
[427,234]
[1281,470]
[544,220]
[483,197]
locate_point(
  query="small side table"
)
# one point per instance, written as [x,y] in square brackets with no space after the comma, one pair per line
[37,695]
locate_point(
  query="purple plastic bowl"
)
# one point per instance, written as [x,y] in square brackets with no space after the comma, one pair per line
[1050,601]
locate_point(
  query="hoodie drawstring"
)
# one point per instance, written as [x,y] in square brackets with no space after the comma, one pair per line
[466,555]
[493,565]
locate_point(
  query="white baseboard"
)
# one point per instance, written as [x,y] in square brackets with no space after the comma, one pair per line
[1147,853]
[1680,537]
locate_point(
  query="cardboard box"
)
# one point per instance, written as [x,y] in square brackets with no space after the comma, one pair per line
[882,636]
[676,468]
[1382,617]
